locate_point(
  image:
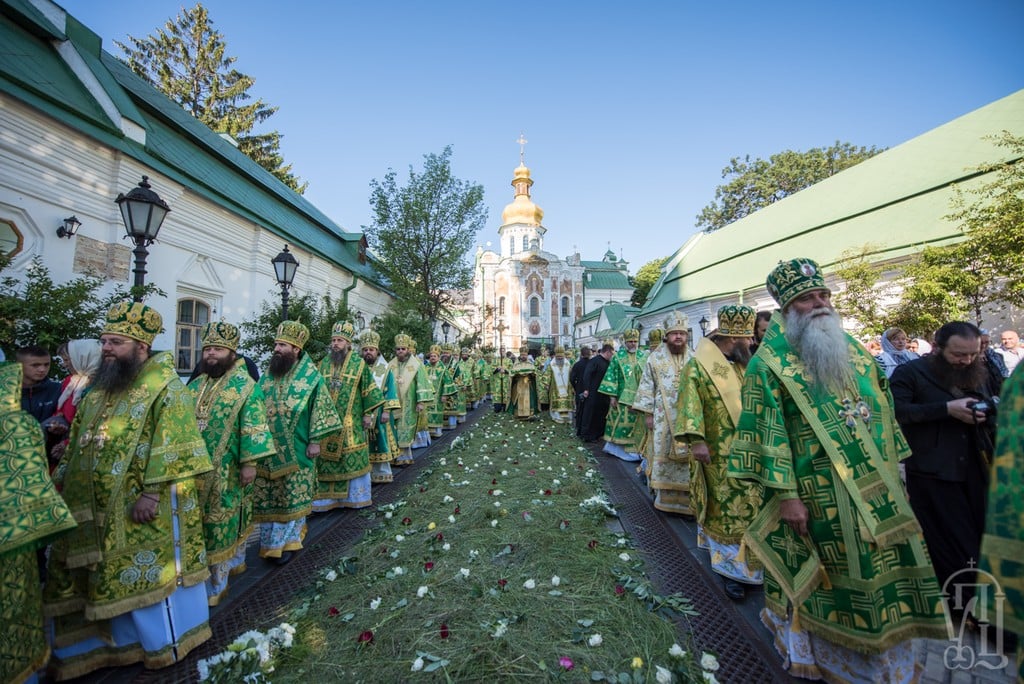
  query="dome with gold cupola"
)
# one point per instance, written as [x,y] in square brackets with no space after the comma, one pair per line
[522,209]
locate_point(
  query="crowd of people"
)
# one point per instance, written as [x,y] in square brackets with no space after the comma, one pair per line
[854,486]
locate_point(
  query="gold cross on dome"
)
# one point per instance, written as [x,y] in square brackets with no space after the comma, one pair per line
[522,147]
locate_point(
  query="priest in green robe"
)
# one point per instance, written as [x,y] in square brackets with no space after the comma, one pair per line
[301,414]
[415,393]
[232,417]
[623,433]
[343,469]
[848,583]
[31,514]
[501,382]
[1002,546]
[467,373]
[709,406]
[443,388]
[541,363]
[522,397]
[382,438]
[454,404]
[129,583]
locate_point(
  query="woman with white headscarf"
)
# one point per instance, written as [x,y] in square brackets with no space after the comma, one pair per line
[894,350]
[83,360]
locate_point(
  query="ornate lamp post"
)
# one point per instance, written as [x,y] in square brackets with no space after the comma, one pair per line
[143,213]
[446,328]
[285,265]
[703,323]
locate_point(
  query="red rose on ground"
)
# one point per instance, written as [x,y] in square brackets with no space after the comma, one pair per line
[619,590]
[333,612]
[444,630]
[428,566]
[366,637]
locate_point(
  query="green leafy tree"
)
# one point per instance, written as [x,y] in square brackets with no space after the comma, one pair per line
[422,232]
[318,313]
[644,280]
[402,317]
[753,185]
[187,61]
[36,310]
[984,271]
[860,298]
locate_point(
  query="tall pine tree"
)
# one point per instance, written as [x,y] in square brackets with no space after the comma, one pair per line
[186,61]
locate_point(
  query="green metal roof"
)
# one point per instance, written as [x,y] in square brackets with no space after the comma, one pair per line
[177,145]
[896,202]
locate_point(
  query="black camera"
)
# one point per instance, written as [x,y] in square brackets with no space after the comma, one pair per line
[986,406]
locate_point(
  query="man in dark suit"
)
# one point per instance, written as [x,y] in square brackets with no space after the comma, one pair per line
[576,381]
[936,401]
[595,406]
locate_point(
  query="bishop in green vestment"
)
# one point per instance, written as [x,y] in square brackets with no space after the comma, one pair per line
[623,433]
[415,393]
[232,417]
[128,584]
[301,414]
[31,513]
[709,407]
[382,436]
[848,582]
[343,469]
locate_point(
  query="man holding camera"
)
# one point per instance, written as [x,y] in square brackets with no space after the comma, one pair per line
[945,406]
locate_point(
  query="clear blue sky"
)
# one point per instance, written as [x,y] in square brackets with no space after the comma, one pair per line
[631,110]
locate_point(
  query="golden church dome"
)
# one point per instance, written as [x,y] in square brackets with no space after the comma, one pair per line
[522,209]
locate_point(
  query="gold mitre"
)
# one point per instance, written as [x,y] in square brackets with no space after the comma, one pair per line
[293,333]
[736,320]
[220,334]
[403,341]
[344,330]
[134,320]
[676,322]
[370,339]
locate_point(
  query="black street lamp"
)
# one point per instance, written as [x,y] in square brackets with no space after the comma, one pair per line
[703,323]
[143,213]
[445,328]
[285,265]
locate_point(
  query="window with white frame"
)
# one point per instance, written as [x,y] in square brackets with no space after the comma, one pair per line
[192,316]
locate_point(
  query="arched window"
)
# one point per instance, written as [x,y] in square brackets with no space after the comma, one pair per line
[526,243]
[192,316]
[565,306]
[501,306]
[535,306]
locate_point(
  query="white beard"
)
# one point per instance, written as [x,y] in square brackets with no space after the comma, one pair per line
[821,344]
